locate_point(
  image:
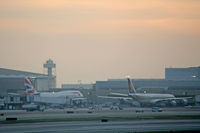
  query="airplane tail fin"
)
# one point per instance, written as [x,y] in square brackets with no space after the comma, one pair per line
[131,86]
[29,87]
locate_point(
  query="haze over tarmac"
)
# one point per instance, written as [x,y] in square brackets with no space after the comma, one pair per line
[98,39]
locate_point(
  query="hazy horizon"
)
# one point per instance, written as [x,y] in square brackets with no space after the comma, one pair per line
[95,40]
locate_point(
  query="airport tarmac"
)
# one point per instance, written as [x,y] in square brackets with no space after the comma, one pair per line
[100,127]
[86,113]
[87,126]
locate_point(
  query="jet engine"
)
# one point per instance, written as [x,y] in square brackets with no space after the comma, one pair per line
[173,103]
[184,101]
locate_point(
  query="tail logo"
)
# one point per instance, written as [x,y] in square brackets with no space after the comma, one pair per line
[131,86]
[28,86]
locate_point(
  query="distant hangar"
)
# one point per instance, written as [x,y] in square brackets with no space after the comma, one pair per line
[178,81]
[12,81]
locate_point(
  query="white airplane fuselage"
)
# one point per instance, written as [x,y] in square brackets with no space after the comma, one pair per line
[146,98]
[70,94]
[141,96]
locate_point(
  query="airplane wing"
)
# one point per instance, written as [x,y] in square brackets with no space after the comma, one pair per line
[81,98]
[109,97]
[118,95]
[179,98]
[169,99]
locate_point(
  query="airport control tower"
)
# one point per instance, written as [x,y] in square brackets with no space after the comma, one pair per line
[50,65]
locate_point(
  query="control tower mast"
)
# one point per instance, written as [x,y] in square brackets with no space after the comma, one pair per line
[51,78]
[49,65]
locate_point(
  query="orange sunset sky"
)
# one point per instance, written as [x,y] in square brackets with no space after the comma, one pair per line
[93,40]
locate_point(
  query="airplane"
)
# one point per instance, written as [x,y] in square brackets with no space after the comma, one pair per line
[143,99]
[54,98]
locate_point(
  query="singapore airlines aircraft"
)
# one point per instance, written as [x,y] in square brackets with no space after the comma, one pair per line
[146,98]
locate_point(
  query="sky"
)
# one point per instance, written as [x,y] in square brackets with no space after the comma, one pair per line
[92,40]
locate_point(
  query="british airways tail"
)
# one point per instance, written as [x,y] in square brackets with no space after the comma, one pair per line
[29,87]
[131,86]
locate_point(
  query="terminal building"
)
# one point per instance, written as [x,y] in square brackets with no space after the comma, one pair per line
[77,86]
[190,73]
[12,81]
[178,81]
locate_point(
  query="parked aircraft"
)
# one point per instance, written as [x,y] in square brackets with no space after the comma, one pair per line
[59,98]
[147,98]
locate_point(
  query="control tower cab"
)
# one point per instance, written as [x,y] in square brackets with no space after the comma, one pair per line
[49,65]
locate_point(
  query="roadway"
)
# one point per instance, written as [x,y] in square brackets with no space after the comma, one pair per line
[101,127]
[83,113]
[98,126]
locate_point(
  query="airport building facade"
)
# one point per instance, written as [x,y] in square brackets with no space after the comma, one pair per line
[12,81]
[190,73]
[77,86]
[178,81]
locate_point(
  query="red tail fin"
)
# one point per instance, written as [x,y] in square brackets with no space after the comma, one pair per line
[28,86]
